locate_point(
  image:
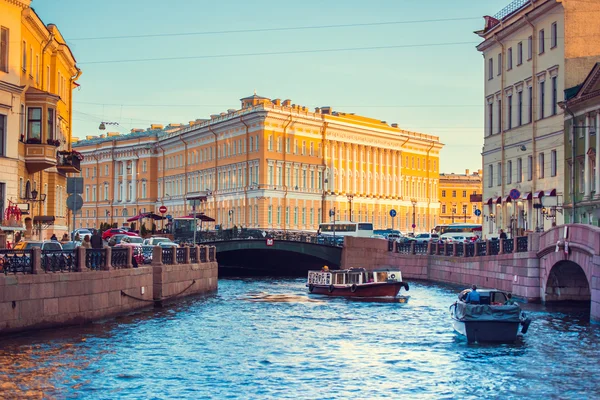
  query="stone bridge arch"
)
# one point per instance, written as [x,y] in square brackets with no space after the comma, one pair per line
[572,274]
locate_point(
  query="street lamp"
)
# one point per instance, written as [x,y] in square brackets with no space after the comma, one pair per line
[231,212]
[332,215]
[414,225]
[31,197]
[350,198]
[103,124]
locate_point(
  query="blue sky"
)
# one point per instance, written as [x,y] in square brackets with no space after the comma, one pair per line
[430,89]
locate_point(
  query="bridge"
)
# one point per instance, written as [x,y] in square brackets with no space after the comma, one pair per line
[562,264]
[287,255]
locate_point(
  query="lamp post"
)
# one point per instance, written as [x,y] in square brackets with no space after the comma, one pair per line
[332,215]
[31,197]
[414,204]
[231,212]
[350,198]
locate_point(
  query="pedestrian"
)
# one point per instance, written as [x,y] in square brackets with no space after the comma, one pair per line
[502,234]
[17,237]
[65,238]
[86,242]
[96,240]
[473,296]
[77,238]
[54,238]
[510,301]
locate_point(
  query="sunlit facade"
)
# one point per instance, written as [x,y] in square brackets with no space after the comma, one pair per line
[270,164]
[37,75]
[460,196]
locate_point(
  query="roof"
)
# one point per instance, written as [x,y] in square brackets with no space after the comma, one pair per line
[572,92]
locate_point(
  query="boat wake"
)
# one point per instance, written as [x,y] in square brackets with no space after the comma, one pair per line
[279,298]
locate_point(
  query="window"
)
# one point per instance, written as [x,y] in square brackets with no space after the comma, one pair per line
[443,209]
[3,51]
[144,166]
[499,173]
[530,94]
[509,111]
[256,148]
[554,36]
[34,123]
[491,118]
[50,132]
[24,59]
[520,110]
[287,145]
[270,217]
[520,53]
[251,143]
[143,190]
[499,64]
[312,149]
[553,163]
[529,168]
[443,193]
[509,172]
[464,193]
[581,177]
[2,140]
[304,147]
[541,166]
[554,95]
[454,193]
[37,68]
[490,69]
[542,42]
[529,48]
[106,170]
[464,209]
[542,98]
[499,116]
[509,61]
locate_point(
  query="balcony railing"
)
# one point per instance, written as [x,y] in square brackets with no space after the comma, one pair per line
[69,161]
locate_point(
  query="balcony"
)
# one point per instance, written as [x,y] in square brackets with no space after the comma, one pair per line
[69,161]
[39,156]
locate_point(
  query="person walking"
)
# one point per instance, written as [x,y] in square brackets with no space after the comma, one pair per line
[96,240]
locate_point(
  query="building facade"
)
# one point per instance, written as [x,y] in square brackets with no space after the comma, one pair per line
[37,75]
[271,165]
[532,51]
[459,198]
[582,141]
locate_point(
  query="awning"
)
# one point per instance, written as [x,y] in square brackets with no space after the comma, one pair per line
[507,199]
[494,200]
[551,192]
[201,217]
[12,228]
[145,215]
[44,219]
[526,196]
[538,194]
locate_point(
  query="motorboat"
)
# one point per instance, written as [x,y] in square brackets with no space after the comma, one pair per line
[357,282]
[490,320]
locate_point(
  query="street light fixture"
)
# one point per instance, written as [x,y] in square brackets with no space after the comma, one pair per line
[103,124]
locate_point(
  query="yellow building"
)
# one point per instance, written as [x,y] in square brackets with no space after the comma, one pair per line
[271,164]
[460,196]
[37,74]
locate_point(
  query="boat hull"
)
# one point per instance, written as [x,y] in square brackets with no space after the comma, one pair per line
[487,331]
[384,289]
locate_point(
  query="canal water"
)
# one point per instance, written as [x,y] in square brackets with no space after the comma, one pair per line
[264,338]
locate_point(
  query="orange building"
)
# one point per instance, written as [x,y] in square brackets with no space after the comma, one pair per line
[460,196]
[271,164]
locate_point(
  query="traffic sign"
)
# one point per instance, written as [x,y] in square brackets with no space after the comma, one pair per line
[514,194]
[269,242]
[477,212]
[414,226]
[162,209]
[392,213]
[74,202]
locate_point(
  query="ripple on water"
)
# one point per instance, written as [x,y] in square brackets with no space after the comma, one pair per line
[268,338]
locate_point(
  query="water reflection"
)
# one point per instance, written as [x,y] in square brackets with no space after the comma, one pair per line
[268,338]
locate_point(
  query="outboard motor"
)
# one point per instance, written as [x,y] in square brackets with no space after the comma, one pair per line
[525,324]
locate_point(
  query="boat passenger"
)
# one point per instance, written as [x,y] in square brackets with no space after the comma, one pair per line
[325,268]
[473,296]
[510,301]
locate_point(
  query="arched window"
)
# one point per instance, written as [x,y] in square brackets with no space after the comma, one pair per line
[28,190]
[125,212]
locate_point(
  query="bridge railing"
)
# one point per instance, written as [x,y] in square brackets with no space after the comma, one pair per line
[471,249]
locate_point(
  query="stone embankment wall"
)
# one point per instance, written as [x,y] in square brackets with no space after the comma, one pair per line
[39,299]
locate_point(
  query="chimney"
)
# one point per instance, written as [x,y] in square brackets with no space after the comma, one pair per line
[112,134]
[317,110]
[214,116]
[286,103]
[467,172]
[326,110]
[90,137]
[231,110]
[223,114]
[277,102]
[156,126]
[394,125]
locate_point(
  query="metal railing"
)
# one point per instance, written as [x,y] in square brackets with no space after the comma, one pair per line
[403,248]
[203,254]
[470,249]
[180,255]
[494,248]
[193,255]
[459,252]
[212,254]
[119,257]
[15,261]
[448,249]
[522,244]
[421,248]
[59,260]
[167,256]
[481,248]
[95,259]
[507,246]
[511,8]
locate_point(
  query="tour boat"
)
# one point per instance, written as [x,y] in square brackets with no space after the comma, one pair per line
[490,320]
[356,282]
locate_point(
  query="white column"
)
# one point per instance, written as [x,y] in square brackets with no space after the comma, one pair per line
[361,166]
[332,169]
[116,182]
[597,177]
[394,174]
[134,180]
[125,182]
[587,175]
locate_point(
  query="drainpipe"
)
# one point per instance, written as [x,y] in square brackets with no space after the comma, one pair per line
[216,180]
[248,177]
[185,183]
[573,155]
[50,39]
[162,195]
[501,126]
[324,213]
[533,109]
[285,183]
[429,181]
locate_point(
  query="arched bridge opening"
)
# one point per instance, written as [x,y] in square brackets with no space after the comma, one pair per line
[276,258]
[567,282]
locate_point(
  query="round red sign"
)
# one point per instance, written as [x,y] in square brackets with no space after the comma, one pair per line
[162,209]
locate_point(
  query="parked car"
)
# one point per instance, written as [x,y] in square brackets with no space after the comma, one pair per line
[168,244]
[423,238]
[72,245]
[464,237]
[131,241]
[111,232]
[81,232]
[116,239]
[153,241]
[44,245]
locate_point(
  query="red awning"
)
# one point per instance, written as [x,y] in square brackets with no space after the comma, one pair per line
[538,195]
[494,200]
[526,196]
[507,199]
[551,192]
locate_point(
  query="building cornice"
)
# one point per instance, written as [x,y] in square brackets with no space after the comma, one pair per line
[11,88]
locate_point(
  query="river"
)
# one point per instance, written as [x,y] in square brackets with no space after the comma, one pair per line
[264,338]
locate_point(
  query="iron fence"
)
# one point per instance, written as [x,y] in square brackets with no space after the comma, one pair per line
[391,245]
[470,250]
[167,256]
[421,248]
[433,248]
[203,255]
[212,252]
[95,259]
[508,246]
[118,257]
[494,248]
[194,255]
[459,250]
[59,260]
[180,255]
[403,248]
[522,244]
[448,249]
[14,261]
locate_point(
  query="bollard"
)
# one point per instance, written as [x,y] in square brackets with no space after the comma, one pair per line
[36,261]
[487,247]
[429,247]
[174,255]
[186,257]
[197,250]
[156,256]
[107,259]
[81,258]
[453,249]
[515,241]
[464,245]
[129,257]
[476,249]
